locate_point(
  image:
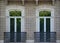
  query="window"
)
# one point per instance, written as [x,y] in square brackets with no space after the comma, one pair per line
[44,18]
[44,23]
[44,13]
[15,23]
[15,13]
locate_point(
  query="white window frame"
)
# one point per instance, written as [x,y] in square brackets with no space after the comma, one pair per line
[14,7]
[45,8]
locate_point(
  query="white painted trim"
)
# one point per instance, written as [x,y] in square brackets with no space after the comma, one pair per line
[47,8]
[15,7]
[37,25]
[44,24]
[15,24]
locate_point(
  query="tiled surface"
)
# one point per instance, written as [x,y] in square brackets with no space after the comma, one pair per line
[2,20]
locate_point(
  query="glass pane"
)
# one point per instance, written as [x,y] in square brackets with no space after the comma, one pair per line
[12,24]
[12,29]
[18,24]
[18,38]
[15,13]
[42,29]
[47,24]
[44,13]
[47,29]
[41,24]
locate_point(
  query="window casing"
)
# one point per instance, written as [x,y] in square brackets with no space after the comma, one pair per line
[46,8]
[15,8]
[15,22]
[44,23]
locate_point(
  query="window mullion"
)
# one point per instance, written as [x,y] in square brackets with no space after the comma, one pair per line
[44,17]
[15,17]
[44,24]
[39,23]
[15,24]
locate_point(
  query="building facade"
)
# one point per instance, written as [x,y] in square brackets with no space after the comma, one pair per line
[29,21]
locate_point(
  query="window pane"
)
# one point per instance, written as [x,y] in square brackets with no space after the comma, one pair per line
[44,13]
[12,29]
[12,24]
[47,24]
[18,24]
[42,29]
[41,24]
[47,29]
[15,13]
[18,38]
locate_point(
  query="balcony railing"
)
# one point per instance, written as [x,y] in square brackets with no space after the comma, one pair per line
[14,37]
[45,37]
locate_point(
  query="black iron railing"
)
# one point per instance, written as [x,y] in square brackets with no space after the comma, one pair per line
[45,37]
[14,37]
